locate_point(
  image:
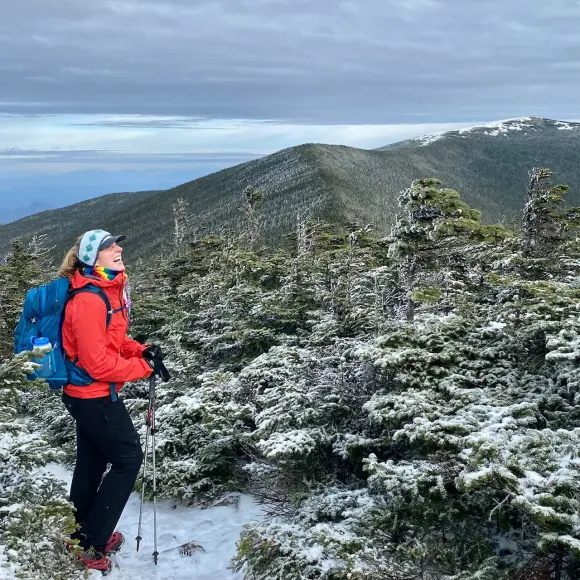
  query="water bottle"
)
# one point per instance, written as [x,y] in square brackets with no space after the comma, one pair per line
[47,361]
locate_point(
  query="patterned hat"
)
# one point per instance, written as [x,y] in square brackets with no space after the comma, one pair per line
[92,243]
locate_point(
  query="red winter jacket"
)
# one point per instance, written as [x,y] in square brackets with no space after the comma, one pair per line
[107,354]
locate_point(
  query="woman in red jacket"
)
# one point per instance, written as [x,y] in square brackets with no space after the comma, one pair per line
[104,357]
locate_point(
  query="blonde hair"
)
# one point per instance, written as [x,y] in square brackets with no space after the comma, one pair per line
[70,263]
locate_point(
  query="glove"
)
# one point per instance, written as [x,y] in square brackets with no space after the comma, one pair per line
[152,352]
[154,356]
[159,369]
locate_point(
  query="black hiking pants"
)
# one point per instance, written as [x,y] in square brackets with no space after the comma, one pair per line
[105,434]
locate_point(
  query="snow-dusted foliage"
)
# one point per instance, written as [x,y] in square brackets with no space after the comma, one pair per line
[471,465]
[35,514]
[199,439]
[406,407]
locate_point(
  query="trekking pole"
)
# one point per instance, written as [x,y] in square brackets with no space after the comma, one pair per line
[152,407]
[148,423]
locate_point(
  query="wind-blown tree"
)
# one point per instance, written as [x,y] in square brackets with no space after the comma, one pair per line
[432,231]
[547,226]
[252,199]
[543,221]
[181,223]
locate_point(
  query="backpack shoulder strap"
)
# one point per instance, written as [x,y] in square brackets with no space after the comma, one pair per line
[99,292]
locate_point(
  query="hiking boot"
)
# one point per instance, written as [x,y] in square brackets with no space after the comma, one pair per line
[94,560]
[114,544]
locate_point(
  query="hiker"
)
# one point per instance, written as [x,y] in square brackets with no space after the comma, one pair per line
[100,358]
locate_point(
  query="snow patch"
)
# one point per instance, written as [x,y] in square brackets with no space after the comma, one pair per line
[495,326]
[563,126]
[58,471]
[11,508]
[217,529]
[431,137]
[495,128]
[501,127]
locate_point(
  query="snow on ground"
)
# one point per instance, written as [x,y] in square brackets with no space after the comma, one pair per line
[216,528]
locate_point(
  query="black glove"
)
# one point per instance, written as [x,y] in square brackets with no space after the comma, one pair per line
[152,352]
[154,356]
[159,369]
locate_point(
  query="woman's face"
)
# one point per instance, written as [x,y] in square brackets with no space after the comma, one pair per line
[111,258]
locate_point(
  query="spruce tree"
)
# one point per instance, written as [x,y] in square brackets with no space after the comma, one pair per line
[432,231]
[20,272]
[543,224]
[547,226]
[252,198]
[181,224]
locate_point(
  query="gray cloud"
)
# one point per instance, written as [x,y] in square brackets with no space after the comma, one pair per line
[315,61]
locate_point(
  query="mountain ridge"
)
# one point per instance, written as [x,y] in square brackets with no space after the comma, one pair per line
[488,164]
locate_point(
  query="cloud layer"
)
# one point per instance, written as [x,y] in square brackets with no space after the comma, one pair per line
[296,61]
[71,142]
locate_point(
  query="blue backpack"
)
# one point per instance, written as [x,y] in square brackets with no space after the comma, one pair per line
[42,317]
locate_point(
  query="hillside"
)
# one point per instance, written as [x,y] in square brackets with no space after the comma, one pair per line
[487,164]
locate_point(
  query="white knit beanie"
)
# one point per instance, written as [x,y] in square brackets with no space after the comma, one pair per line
[92,242]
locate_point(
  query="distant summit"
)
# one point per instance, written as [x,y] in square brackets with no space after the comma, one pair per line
[488,164]
[497,128]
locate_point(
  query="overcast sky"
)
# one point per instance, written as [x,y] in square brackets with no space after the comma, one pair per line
[124,84]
